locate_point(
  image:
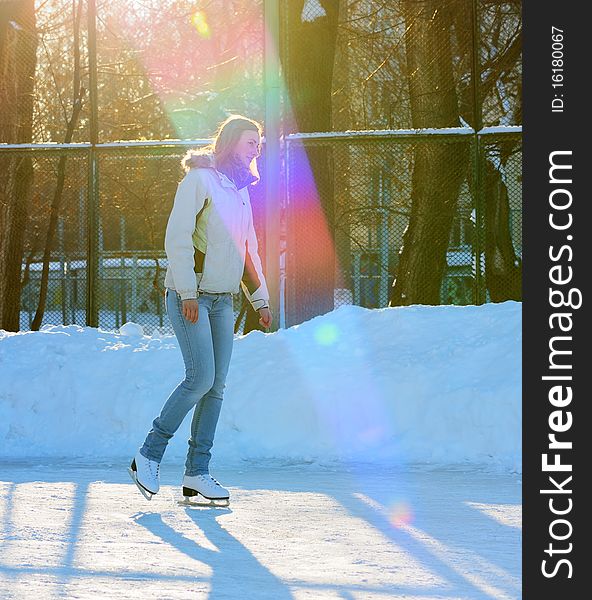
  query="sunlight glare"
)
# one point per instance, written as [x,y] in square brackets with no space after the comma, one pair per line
[326,334]
[198,20]
[400,514]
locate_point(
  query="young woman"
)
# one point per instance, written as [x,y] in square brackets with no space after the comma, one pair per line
[211,248]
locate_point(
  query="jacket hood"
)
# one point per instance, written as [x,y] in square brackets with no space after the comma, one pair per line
[240,175]
[196,159]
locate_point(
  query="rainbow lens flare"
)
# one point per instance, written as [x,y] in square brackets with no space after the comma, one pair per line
[198,20]
[400,514]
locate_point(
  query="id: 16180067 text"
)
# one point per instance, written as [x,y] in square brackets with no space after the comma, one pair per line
[557,66]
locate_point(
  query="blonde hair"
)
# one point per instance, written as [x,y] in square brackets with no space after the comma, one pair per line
[222,147]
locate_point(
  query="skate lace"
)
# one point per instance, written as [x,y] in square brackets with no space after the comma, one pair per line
[150,464]
[209,478]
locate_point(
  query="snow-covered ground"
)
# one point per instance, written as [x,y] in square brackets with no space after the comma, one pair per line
[369,453]
[314,533]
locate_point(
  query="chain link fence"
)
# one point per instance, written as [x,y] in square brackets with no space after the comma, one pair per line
[84,222]
[415,197]
[349,251]
[88,209]
[136,192]
[53,236]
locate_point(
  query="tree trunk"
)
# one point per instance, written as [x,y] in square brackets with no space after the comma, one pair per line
[18,52]
[78,93]
[439,168]
[308,67]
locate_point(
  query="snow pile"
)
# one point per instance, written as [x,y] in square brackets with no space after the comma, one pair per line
[397,385]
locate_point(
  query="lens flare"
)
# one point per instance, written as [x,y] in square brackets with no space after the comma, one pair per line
[198,20]
[326,334]
[400,514]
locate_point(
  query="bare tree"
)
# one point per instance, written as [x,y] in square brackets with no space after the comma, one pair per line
[18,45]
[439,169]
[79,93]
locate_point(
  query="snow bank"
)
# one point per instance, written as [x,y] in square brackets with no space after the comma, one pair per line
[398,385]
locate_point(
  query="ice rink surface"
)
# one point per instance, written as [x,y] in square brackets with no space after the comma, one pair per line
[73,529]
[310,412]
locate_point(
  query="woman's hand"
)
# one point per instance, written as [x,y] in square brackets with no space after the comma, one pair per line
[191,310]
[266,317]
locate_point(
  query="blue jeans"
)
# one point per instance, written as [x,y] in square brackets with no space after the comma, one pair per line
[206,347]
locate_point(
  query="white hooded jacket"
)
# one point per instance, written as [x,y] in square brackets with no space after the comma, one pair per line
[223,237]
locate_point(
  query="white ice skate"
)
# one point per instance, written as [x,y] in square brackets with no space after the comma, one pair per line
[204,490]
[145,473]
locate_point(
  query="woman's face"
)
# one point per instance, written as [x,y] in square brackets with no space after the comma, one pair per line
[248,147]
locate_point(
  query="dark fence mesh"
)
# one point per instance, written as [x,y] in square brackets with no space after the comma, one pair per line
[349,251]
[500,62]
[501,237]
[439,216]
[137,190]
[397,59]
[54,251]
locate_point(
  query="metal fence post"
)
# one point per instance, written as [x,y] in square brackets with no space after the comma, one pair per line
[477,126]
[92,313]
[272,155]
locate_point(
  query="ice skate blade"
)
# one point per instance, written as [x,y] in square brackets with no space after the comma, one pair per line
[148,495]
[202,501]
